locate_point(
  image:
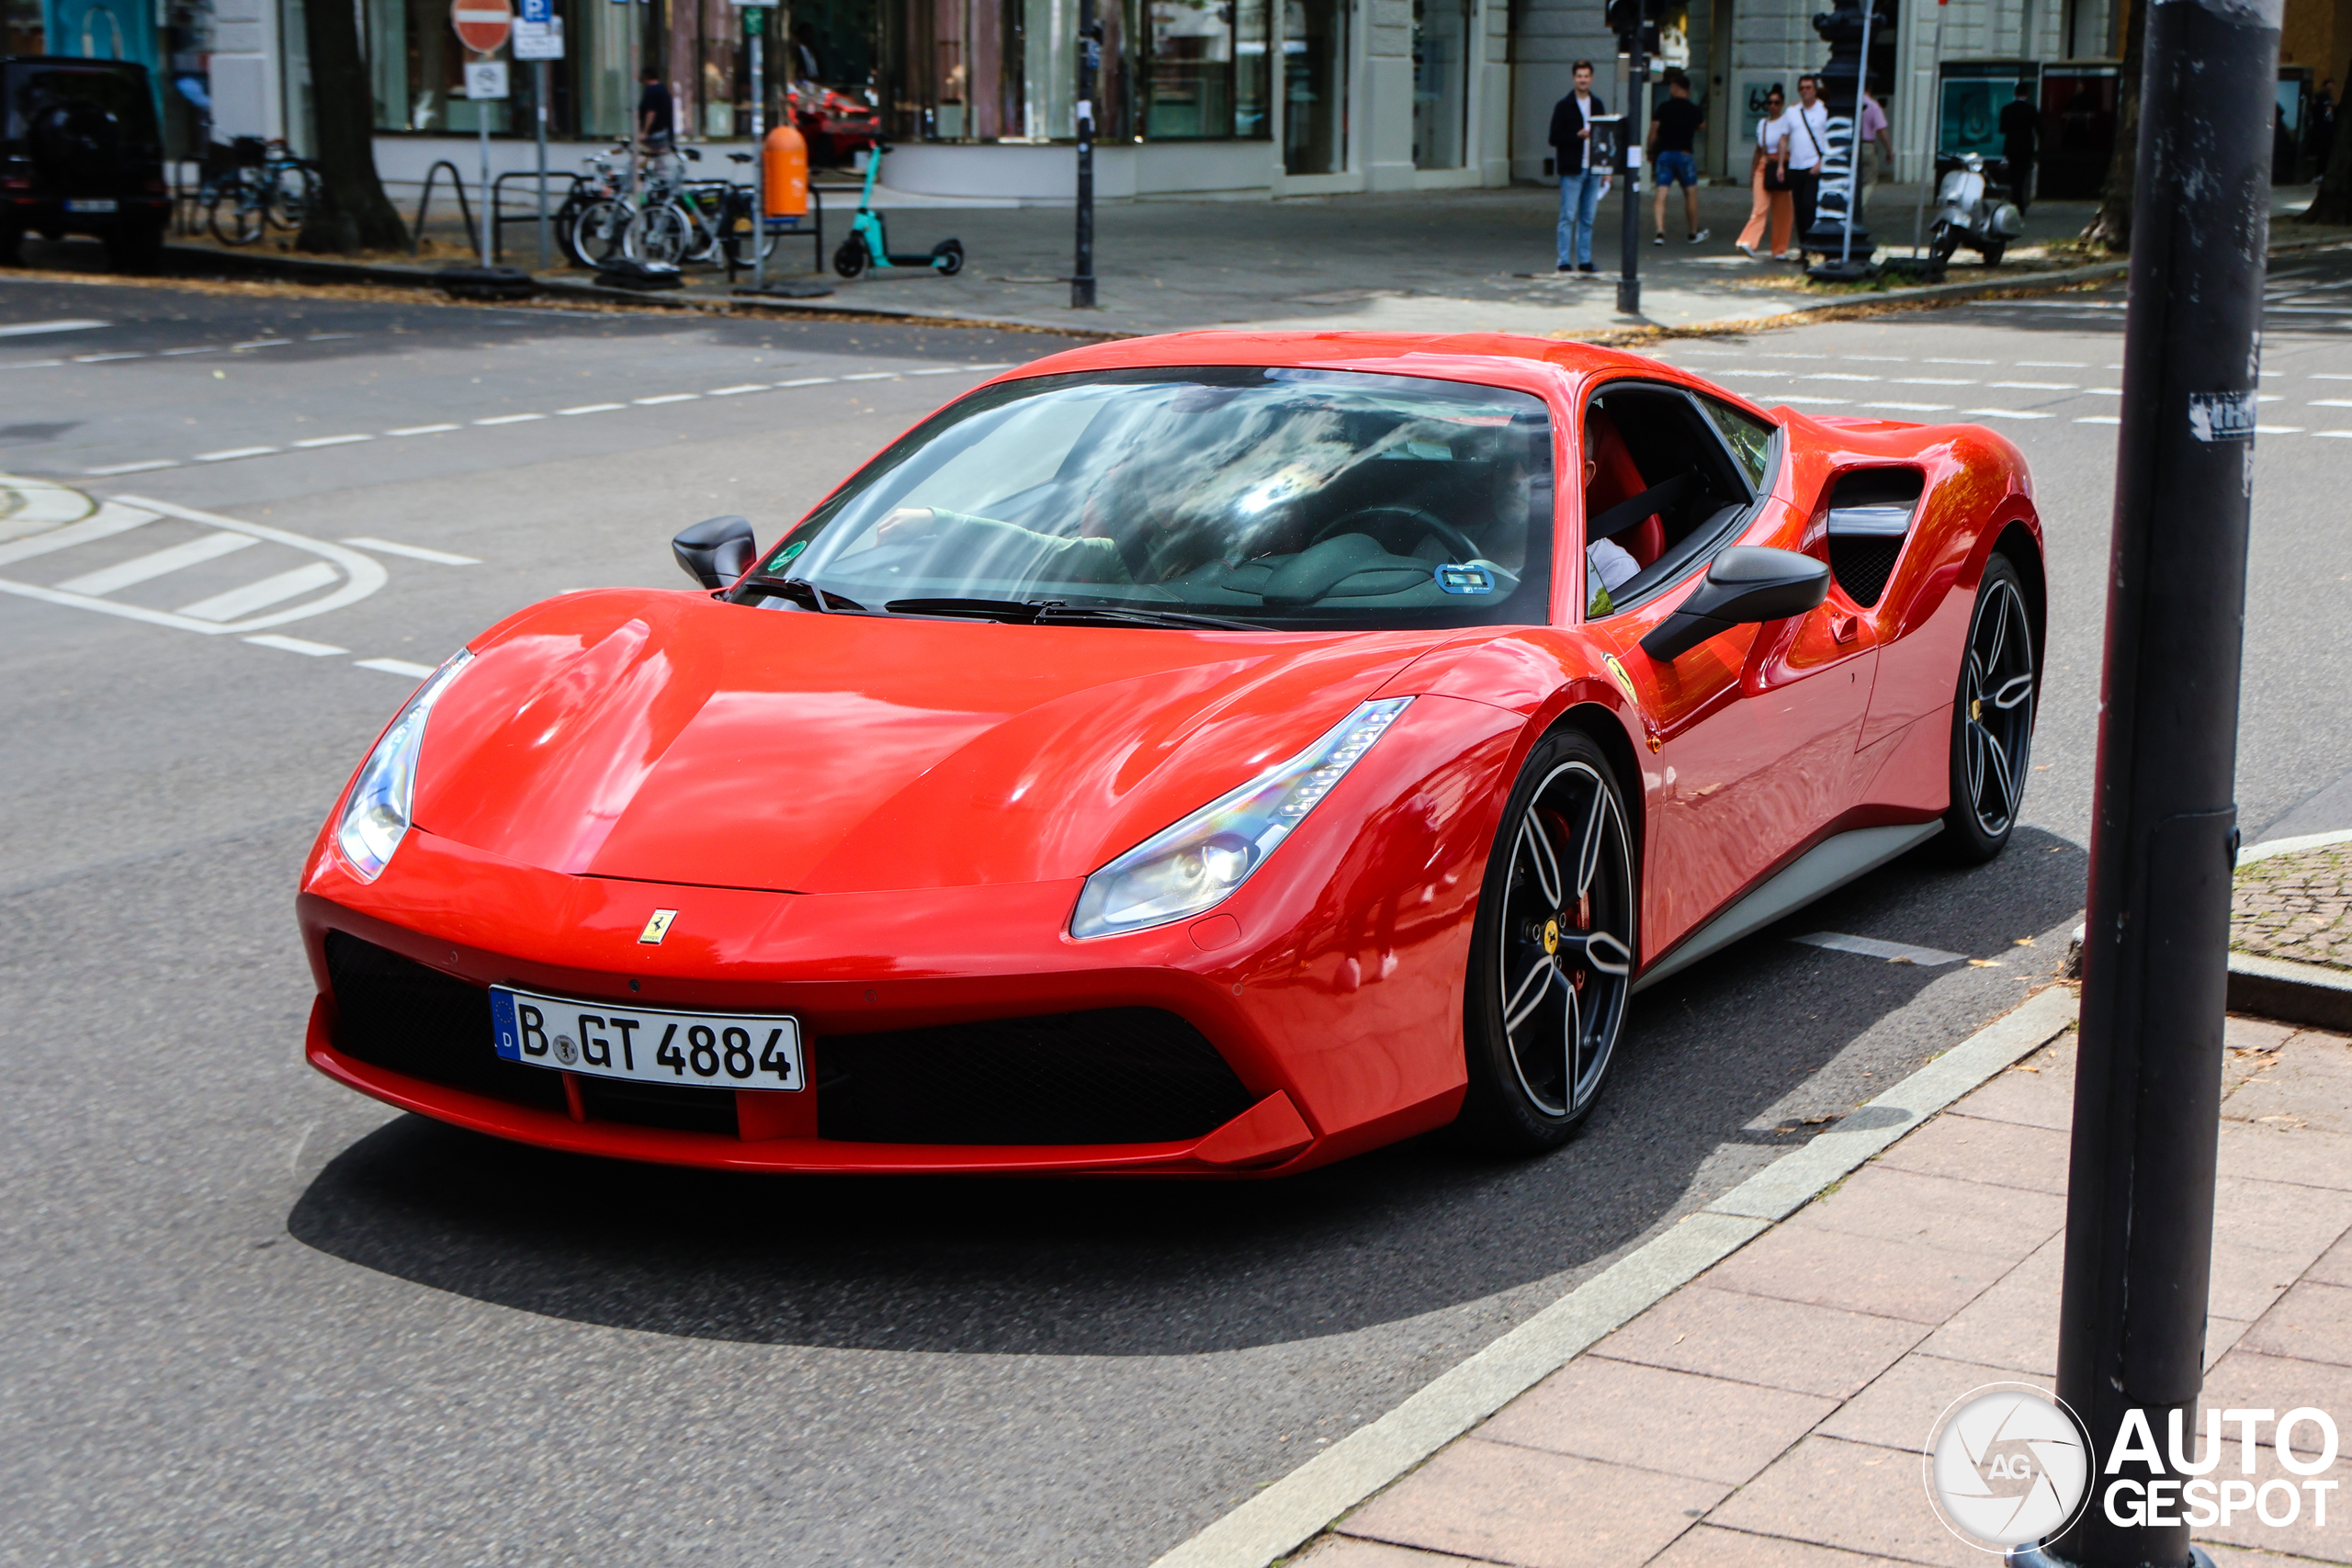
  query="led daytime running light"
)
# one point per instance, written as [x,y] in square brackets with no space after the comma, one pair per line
[376,814]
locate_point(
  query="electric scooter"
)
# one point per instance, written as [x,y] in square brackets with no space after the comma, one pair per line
[869,246]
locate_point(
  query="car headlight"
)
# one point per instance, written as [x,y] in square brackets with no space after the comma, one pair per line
[376,816]
[1199,862]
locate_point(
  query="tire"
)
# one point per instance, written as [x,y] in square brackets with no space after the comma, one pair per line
[11,242]
[948,258]
[598,231]
[1943,242]
[1992,719]
[849,260]
[293,193]
[236,217]
[1994,251]
[139,250]
[660,235]
[1552,954]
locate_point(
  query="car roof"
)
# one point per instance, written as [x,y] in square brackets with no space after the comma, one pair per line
[1518,351]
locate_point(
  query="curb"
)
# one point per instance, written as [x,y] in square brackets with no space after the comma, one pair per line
[1297,1507]
[2279,988]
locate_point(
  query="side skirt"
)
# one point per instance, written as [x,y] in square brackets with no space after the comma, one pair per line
[1824,868]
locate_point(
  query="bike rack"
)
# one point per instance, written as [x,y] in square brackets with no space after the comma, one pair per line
[815,231]
[416,234]
[500,216]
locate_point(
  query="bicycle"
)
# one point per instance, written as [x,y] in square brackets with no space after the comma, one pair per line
[670,226]
[251,185]
[596,211]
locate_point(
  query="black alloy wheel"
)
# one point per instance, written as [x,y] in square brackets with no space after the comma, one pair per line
[1551,957]
[1992,721]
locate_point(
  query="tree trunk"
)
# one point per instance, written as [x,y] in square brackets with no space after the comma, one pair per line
[2112,225]
[2333,202]
[353,211]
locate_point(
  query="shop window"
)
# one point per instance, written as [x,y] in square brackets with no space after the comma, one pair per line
[1314,86]
[1205,69]
[1441,83]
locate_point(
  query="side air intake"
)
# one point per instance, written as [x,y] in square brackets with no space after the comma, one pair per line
[1870,512]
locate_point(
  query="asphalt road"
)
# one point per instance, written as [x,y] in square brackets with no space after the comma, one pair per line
[250,1317]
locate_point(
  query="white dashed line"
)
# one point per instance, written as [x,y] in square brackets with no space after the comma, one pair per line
[1931,381]
[2033,386]
[396,667]
[147,466]
[1870,947]
[2051,365]
[423,430]
[2336,434]
[101,358]
[413,552]
[2330,375]
[2331,402]
[939,371]
[33,364]
[1879,358]
[28,329]
[871,375]
[510,418]
[807,381]
[592,408]
[328,338]
[297,644]
[2102,391]
[263,343]
[666,398]
[2006,413]
[1810,398]
[1834,376]
[2277,430]
[331,441]
[1931,359]
[1913,408]
[732,391]
[206,348]
[233,453]
[2099,418]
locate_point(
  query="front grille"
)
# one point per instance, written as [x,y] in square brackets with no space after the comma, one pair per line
[393,1012]
[1113,1076]
[682,1107]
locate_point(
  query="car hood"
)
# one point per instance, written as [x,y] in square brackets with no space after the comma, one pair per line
[664,737]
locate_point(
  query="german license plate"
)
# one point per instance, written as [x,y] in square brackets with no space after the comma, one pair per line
[92,204]
[715,1050]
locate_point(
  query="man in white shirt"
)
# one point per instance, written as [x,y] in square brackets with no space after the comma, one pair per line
[1808,134]
[1583,180]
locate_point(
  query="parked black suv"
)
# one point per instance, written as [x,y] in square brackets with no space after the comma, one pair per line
[80,153]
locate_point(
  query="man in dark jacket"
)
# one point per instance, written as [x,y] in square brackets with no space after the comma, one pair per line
[1583,178]
[2020,130]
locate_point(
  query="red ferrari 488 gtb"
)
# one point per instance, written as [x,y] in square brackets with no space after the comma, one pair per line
[1219,753]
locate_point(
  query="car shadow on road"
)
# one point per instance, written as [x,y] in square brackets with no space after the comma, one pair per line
[1110,1268]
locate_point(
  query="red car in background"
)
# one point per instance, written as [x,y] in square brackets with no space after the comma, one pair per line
[835,124]
[1209,754]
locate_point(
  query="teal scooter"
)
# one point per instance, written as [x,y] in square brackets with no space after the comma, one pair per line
[868,244]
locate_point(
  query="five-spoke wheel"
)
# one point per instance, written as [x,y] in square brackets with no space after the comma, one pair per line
[1551,960]
[1992,737]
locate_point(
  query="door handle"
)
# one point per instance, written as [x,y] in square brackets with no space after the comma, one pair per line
[1845,628]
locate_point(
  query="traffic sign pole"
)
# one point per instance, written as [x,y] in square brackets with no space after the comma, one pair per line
[482,26]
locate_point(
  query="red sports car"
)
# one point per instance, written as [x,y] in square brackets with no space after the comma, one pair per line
[1211,755]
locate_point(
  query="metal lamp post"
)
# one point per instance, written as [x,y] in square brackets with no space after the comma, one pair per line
[1089,64]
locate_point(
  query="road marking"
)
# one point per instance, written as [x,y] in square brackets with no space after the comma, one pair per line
[423,430]
[1878,358]
[1932,381]
[940,370]
[1912,408]
[1870,947]
[396,667]
[364,574]
[1810,398]
[239,602]
[2331,376]
[175,353]
[871,375]
[2099,418]
[233,453]
[2007,414]
[807,381]
[263,343]
[2051,365]
[328,338]
[664,398]
[133,468]
[2103,391]
[31,364]
[1932,359]
[730,391]
[331,441]
[509,418]
[2338,434]
[141,568]
[1794,356]
[297,644]
[102,358]
[413,552]
[2277,430]
[28,329]
[1834,376]
[2035,385]
[2331,402]
[111,520]
[594,407]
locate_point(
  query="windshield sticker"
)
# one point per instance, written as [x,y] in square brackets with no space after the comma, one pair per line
[2222,416]
[784,557]
[1466,579]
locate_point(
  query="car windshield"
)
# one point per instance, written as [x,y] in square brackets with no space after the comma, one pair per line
[119,91]
[1256,496]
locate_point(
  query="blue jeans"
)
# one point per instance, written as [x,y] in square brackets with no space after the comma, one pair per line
[1580,200]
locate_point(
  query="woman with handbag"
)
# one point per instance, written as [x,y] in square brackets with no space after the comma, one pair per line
[1774,184]
[1761,211]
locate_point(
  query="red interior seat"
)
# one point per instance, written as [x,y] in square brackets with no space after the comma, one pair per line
[1615,479]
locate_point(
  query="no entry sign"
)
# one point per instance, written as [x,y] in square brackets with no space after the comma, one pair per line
[483,25]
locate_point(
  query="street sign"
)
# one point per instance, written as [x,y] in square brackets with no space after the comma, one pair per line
[538,12]
[481,24]
[538,41]
[485,79]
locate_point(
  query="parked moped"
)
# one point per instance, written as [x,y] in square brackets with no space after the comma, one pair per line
[1966,212]
[868,244]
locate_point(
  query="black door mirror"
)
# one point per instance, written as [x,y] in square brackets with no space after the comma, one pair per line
[1746,583]
[717,551]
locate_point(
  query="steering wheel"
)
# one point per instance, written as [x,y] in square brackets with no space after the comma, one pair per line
[1378,520]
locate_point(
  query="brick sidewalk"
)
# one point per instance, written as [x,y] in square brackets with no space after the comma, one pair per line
[1772,1414]
[2297,907]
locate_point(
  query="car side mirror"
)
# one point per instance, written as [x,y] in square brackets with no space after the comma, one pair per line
[1746,583]
[717,551]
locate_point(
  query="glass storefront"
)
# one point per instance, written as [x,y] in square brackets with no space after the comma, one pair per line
[1441,83]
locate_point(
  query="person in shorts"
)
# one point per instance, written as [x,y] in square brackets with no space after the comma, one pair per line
[1674,125]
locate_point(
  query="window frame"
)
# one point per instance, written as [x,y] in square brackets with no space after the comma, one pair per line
[1724,534]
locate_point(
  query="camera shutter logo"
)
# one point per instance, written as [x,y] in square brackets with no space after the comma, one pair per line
[2008,1466]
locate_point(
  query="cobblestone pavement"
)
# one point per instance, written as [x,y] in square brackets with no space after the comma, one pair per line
[2297,906]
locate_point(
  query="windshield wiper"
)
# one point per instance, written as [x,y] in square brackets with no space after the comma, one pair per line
[1037,612]
[801,591]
